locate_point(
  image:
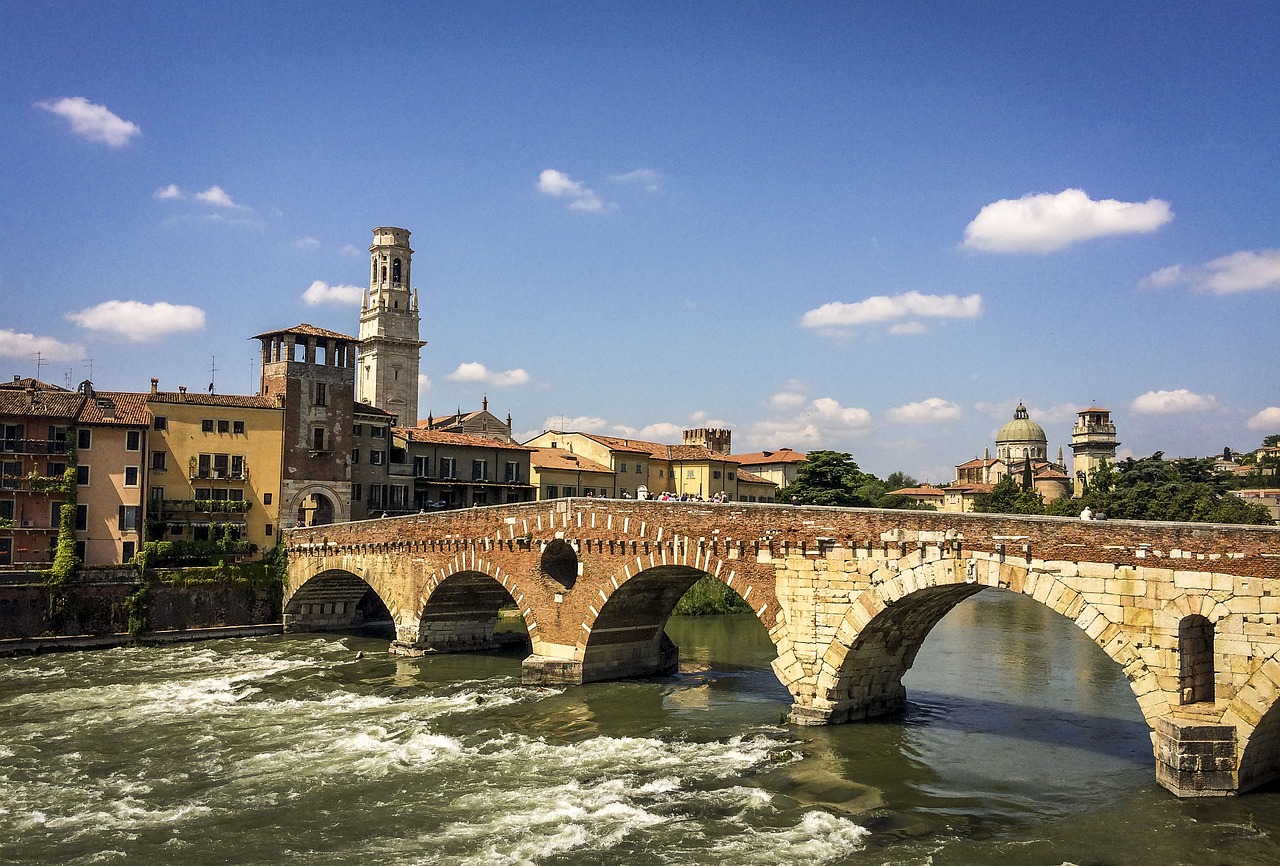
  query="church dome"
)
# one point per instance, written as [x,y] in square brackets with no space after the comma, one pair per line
[1021,437]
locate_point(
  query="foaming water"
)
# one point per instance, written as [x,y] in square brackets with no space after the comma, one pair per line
[1021,745]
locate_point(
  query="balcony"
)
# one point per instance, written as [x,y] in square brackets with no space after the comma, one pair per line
[35,446]
[172,507]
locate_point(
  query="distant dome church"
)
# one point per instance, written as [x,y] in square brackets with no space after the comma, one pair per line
[1021,448]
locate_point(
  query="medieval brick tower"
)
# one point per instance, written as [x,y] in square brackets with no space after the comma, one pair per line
[1093,440]
[389,344]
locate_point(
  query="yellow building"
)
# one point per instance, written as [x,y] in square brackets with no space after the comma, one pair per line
[214,459]
[557,472]
[111,453]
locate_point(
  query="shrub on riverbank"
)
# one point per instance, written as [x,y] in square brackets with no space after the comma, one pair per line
[708,597]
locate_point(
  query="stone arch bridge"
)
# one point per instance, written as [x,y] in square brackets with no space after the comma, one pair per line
[1190,612]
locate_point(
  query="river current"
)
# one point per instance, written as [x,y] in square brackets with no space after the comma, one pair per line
[1022,744]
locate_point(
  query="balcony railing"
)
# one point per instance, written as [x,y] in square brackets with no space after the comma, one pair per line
[35,446]
[170,507]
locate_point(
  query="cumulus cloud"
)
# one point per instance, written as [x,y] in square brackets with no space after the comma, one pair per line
[170,191]
[1054,414]
[580,424]
[790,397]
[1044,222]
[1172,402]
[306,242]
[933,410]
[214,195]
[320,292]
[836,316]
[16,345]
[557,184]
[1244,271]
[424,383]
[137,321]
[93,122]
[646,178]
[1268,419]
[476,372]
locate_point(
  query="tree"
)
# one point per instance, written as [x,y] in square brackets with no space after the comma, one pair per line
[832,478]
[1008,497]
[1152,488]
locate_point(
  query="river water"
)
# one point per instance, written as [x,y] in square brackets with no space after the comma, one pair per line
[1022,744]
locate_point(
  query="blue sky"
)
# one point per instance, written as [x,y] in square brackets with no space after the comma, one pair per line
[870,227]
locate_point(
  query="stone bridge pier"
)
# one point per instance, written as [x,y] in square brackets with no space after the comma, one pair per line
[1190,613]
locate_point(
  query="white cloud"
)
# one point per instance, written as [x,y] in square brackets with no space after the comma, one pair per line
[580,424]
[908,328]
[1172,402]
[170,191]
[320,292]
[306,242]
[424,383]
[934,410]
[351,250]
[835,416]
[1268,419]
[1044,222]
[25,346]
[791,397]
[557,184]
[663,432]
[218,197]
[476,372]
[93,122]
[1244,271]
[836,315]
[645,177]
[137,321]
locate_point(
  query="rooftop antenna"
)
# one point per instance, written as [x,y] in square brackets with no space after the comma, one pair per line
[213,368]
[39,364]
[88,361]
[66,378]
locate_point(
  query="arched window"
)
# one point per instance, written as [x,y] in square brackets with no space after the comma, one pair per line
[384,273]
[1195,659]
[395,271]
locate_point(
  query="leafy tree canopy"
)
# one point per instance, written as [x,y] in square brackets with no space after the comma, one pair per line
[833,478]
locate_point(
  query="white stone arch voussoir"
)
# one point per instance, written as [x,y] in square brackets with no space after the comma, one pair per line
[889,588]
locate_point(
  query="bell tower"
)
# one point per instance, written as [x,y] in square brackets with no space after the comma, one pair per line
[389,344]
[1093,440]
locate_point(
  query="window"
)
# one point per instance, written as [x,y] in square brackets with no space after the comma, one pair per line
[266,499]
[715,473]
[639,469]
[157,494]
[221,468]
[448,467]
[12,435]
[82,475]
[357,430]
[378,432]
[237,466]
[421,466]
[512,473]
[6,509]
[55,514]
[224,426]
[355,492]
[317,439]
[127,550]
[270,530]
[158,459]
[552,491]
[159,423]
[622,467]
[55,470]
[237,427]
[730,474]
[204,466]
[84,439]
[662,473]
[131,476]
[571,491]
[355,456]
[688,473]
[10,472]
[377,457]
[206,425]
[322,394]
[400,496]
[133,440]
[82,517]
[128,518]
[479,470]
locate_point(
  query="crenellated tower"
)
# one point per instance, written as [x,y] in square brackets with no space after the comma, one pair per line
[389,344]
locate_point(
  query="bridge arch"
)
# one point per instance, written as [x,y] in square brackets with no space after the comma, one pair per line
[878,640]
[335,598]
[1255,712]
[459,607]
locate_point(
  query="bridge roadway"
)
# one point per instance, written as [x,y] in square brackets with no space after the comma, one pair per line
[1190,612]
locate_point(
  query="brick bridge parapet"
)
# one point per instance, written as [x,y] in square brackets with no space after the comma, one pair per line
[1191,612]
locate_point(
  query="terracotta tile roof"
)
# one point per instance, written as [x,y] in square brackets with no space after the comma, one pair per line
[42,404]
[919,490]
[782,455]
[968,488]
[978,462]
[657,451]
[305,330]
[441,437]
[744,475]
[23,383]
[122,408]
[563,459]
[199,398]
